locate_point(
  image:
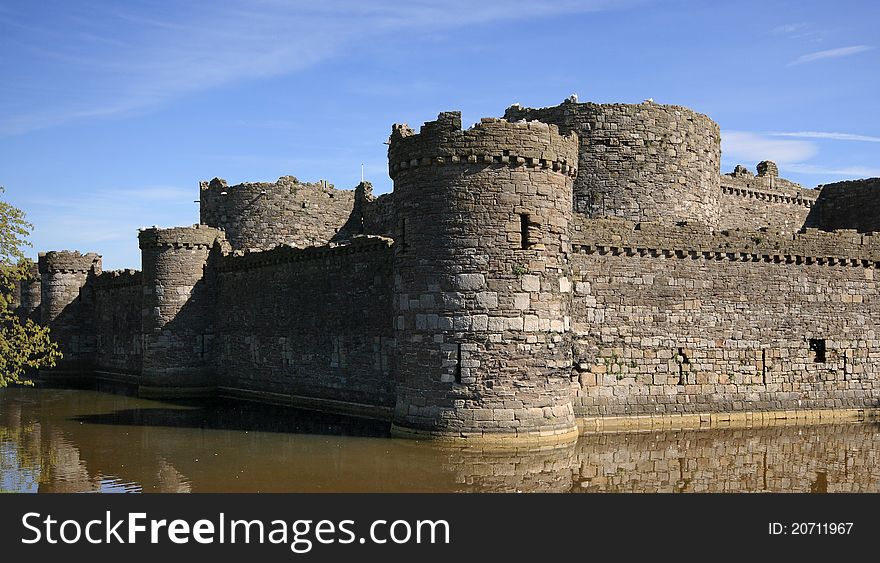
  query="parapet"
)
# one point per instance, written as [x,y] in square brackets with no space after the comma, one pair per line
[67,261]
[197,236]
[810,246]
[492,141]
[284,183]
[284,254]
[766,185]
[119,278]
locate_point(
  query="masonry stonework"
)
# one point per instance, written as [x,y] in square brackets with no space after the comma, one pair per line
[642,162]
[481,277]
[66,302]
[764,201]
[583,263]
[175,309]
[852,204]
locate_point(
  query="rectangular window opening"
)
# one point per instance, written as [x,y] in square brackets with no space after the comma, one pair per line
[764,367]
[458,365]
[817,345]
[682,360]
[524,230]
[403,235]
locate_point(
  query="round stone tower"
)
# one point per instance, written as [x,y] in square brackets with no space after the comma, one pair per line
[30,296]
[481,280]
[643,162]
[175,315]
[262,215]
[66,302]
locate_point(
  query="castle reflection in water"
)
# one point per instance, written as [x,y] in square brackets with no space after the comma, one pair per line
[73,440]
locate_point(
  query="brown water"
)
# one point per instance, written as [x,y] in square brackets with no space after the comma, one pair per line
[54,440]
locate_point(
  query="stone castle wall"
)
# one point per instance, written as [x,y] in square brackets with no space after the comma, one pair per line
[641,162]
[671,321]
[528,273]
[311,323]
[118,322]
[757,202]
[853,204]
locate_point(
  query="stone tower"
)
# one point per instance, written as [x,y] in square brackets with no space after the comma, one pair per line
[642,162]
[175,314]
[30,296]
[66,300]
[262,215]
[481,286]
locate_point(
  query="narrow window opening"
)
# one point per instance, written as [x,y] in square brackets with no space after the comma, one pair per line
[458,365]
[403,235]
[764,367]
[682,360]
[524,230]
[817,345]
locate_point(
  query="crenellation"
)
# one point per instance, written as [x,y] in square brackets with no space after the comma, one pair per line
[261,215]
[642,162]
[578,264]
[284,254]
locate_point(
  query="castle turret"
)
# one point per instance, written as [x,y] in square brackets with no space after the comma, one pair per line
[481,307]
[175,310]
[66,303]
[30,296]
[262,215]
[642,162]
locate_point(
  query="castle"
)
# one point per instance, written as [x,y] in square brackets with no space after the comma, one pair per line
[584,265]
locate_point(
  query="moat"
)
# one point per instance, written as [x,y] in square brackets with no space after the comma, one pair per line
[65,440]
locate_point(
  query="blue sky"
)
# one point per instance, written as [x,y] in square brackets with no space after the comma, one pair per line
[111,112]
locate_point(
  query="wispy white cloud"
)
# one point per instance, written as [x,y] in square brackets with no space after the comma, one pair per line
[827,135]
[842,172]
[148,59]
[830,54]
[790,28]
[792,155]
[800,30]
[753,147]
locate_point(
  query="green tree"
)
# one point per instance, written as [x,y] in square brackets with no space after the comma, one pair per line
[24,345]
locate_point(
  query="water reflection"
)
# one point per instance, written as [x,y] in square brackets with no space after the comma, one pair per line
[55,440]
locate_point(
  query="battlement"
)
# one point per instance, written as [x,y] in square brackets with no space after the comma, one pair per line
[492,141]
[812,246]
[67,261]
[220,185]
[261,215]
[284,254]
[578,260]
[119,278]
[571,106]
[197,236]
[641,162]
[767,186]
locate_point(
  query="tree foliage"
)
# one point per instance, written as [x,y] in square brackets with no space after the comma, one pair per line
[24,345]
